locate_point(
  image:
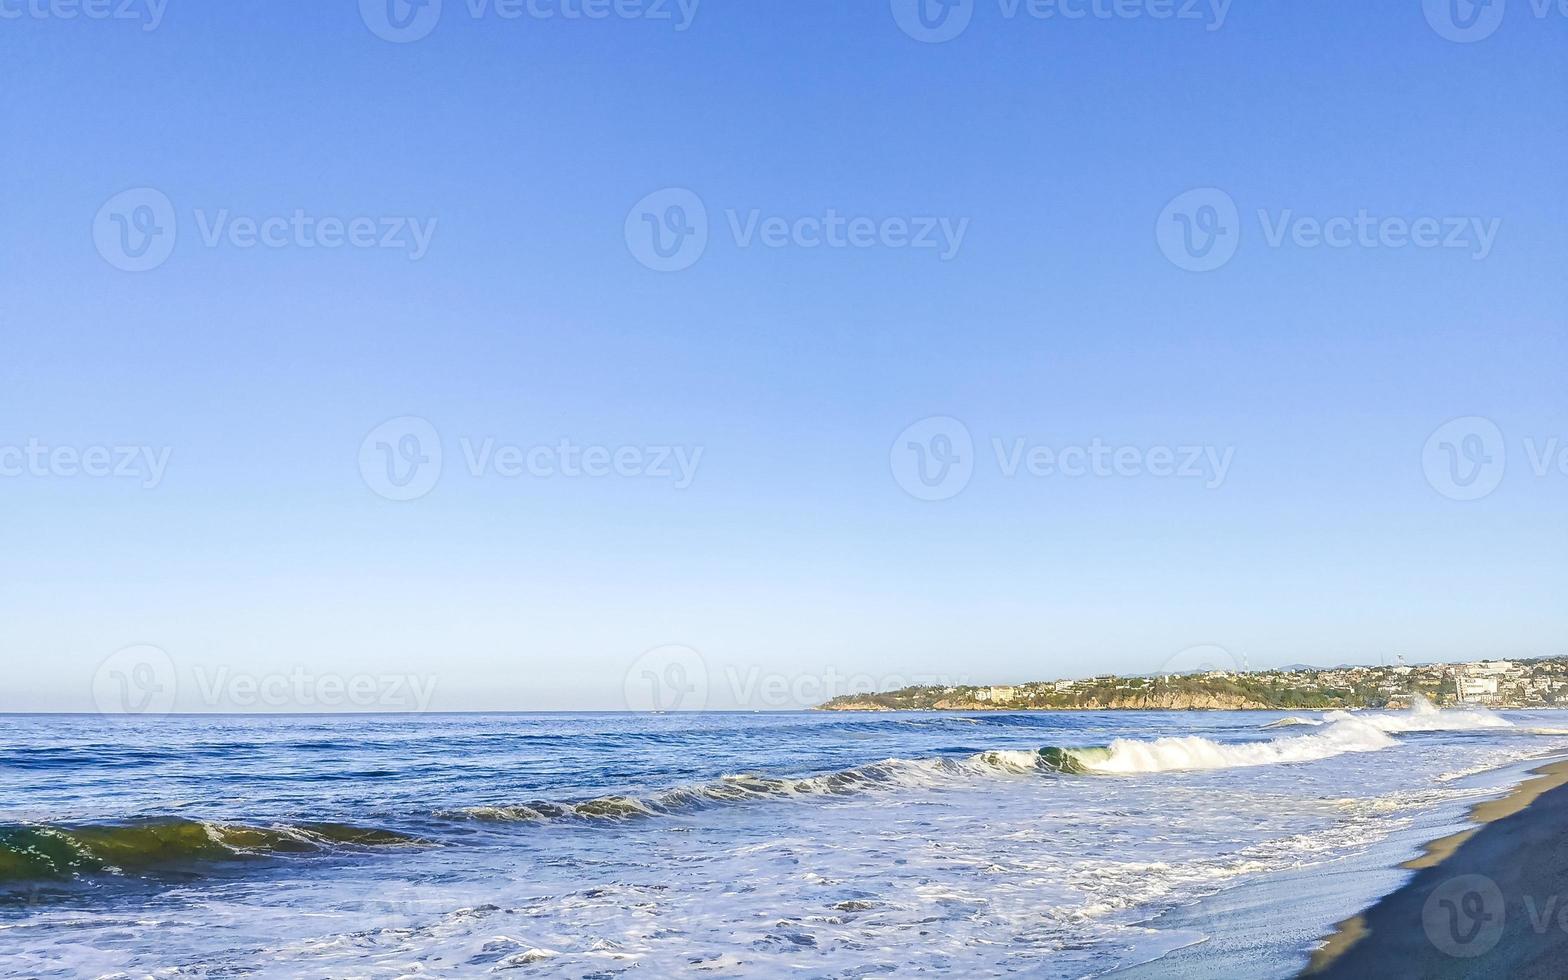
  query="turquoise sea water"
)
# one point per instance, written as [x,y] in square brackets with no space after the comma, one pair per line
[809,844]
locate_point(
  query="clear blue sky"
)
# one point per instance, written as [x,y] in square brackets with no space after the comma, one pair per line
[795,550]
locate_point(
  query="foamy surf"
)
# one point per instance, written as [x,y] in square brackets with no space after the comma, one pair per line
[1123,756]
[1128,756]
[1422,716]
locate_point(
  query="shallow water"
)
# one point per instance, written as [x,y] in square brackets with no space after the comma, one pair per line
[811,844]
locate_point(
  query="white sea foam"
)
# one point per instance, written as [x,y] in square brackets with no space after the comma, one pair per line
[1423,717]
[1167,754]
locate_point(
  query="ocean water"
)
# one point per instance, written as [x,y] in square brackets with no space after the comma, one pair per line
[757,845]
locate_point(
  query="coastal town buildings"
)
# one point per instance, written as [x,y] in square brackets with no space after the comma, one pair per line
[1489,683]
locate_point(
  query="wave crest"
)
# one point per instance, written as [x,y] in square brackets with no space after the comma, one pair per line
[1128,756]
[1423,716]
[1123,756]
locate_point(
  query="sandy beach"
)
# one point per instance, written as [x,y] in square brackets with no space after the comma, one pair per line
[1487,902]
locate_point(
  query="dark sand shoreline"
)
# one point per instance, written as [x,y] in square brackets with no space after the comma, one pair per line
[1491,901]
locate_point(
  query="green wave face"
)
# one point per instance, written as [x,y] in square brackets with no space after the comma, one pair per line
[1076,762]
[44,852]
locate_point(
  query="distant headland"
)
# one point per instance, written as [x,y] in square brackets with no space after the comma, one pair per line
[1539,683]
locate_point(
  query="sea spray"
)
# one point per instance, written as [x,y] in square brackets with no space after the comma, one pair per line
[1127,756]
[1422,716]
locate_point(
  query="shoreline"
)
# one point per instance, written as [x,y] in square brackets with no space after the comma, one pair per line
[1482,902]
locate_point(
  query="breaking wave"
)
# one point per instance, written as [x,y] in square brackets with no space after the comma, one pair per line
[1123,756]
[42,851]
[1423,717]
[1127,756]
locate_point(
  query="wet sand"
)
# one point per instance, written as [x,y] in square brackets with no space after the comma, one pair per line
[1491,901]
